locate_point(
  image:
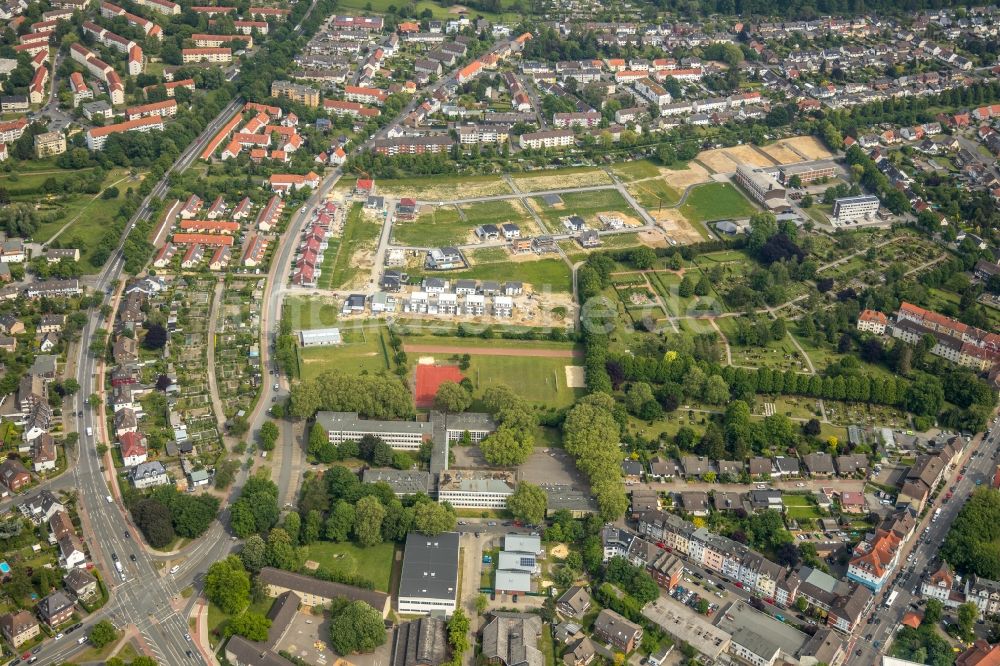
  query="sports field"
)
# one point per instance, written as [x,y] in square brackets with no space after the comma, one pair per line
[716,201]
[362,350]
[538,380]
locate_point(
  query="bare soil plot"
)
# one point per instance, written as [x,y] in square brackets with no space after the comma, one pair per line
[575,377]
[492,351]
[718,160]
[560,179]
[677,226]
[810,147]
[443,188]
[652,238]
[781,153]
[681,179]
[747,155]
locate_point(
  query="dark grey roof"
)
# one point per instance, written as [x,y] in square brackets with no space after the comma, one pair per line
[510,638]
[423,642]
[402,481]
[323,588]
[282,611]
[250,653]
[430,566]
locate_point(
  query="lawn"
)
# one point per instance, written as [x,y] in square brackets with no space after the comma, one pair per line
[441,225]
[439,12]
[716,201]
[635,170]
[552,273]
[481,343]
[554,179]
[362,350]
[358,234]
[217,619]
[308,312]
[538,380]
[654,193]
[585,204]
[374,563]
[443,188]
[494,212]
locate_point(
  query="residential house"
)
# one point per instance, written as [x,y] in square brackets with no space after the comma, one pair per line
[611,627]
[19,628]
[55,609]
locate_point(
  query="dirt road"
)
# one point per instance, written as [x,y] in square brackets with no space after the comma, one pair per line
[483,351]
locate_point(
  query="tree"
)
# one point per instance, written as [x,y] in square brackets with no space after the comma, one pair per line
[227,585]
[280,550]
[293,526]
[313,527]
[452,397]
[254,553]
[933,611]
[355,627]
[268,435]
[507,446]
[528,503]
[481,604]
[642,258]
[102,634]
[153,519]
[340,522]
[431,518]
[156,336]
[968,613]
[368,516]
[249,625]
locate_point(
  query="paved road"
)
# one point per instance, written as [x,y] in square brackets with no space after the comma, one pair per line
[980,457]
[144,599]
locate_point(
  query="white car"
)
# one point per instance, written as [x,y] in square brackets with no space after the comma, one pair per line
[174,569]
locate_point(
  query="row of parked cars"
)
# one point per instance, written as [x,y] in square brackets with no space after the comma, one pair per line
[691,598]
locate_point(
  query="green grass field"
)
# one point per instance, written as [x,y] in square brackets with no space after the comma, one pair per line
[553,273]
[358,233]
[552,179]
[361,351]
[538,380]
[635,170]
[374,563]
[652,193]
[492,343]
[308,312]
[439,12]
[716,201]
[442,225]
[494,212]
[585,204]
[444,188]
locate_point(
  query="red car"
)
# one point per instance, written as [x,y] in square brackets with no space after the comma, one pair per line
[960,477]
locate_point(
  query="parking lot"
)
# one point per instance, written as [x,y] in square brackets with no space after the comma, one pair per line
[545,466]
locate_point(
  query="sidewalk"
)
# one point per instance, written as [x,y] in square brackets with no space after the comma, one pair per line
[200,635]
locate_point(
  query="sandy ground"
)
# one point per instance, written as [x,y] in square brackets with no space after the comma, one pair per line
[810,147]
[445,191]
[681,179]
[747,155]
[677,226]
[781,153]
[575,376]
[364,260]
[495,351]
[717,160]
[559,550]
[652,238]
[425,360]
[555,181]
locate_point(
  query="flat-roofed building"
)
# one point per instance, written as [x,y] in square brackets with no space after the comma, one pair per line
[50,143]
[428,581]
[348,426]
[762,187]
[402,481]
[852,209]
[759,639]
[808,172]
[476,489]
[683,625]
[320,337]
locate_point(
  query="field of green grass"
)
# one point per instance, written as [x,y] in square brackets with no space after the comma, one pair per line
[444,188]
[538,380]
[635,170]
[492,343]
[716,201]
[358,233]
[374,563]
[551,272]
[441,225]
[585,204]
[439,12]
[494,212]
[552,179]
[362,350]
[308,312]
[653,193]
